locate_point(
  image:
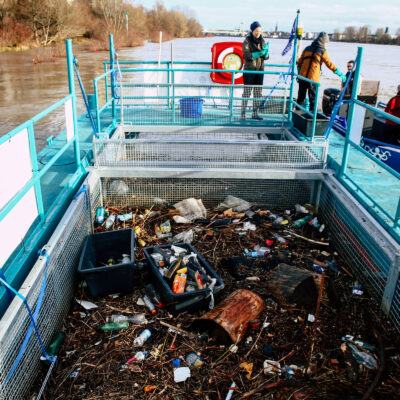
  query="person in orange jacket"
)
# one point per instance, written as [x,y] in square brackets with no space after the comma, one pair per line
[392,129]
[309,65]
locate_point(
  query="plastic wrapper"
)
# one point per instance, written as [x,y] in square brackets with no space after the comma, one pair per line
[235,203]
[191,208]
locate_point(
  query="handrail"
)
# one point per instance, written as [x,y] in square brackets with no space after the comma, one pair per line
[377,111]
[34,119]
[187,62]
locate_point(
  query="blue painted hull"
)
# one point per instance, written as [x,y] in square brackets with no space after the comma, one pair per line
[385,152]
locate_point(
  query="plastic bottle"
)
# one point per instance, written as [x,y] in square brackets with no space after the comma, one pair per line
[256,253]
[125,217]
[314,222]
[280,239]
[139,356]
[302,221]
[114,326]
[141,339]
[153,295]
[277,220]
[139,319]
[54,347]
[110,221]
[100,213]
[148,304]
[261,249]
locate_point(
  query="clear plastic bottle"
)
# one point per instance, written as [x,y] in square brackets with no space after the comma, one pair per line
[149,304]
[100,213]
[142,338]
[110,221]
[139,319]
[280,239]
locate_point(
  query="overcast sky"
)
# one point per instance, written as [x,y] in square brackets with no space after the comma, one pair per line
[316,15]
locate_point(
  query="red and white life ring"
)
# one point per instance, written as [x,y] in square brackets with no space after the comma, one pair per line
[227,55]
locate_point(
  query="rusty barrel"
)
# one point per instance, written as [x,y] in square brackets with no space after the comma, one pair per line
[230,319]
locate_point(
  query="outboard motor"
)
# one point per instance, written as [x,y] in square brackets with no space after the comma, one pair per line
[329,99]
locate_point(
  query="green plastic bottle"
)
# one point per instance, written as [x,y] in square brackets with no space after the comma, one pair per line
[54,346]
[114,326]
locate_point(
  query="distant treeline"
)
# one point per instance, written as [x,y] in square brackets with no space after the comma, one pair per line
[364,35]
[42,22]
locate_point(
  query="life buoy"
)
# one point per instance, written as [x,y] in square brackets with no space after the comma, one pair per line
[227,55]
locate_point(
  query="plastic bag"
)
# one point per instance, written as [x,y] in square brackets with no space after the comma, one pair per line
[118,187]
[185,237]
[235,203]
[191,208]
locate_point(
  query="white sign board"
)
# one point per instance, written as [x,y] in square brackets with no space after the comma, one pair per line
[357,125]
[69,119]
[15,224]
[15,166]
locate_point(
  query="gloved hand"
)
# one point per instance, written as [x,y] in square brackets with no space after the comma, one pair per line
[265,50]
[257,54]
[341,75]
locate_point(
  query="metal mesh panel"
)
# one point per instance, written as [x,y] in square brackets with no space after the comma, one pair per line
[143,191]
[364,256]
[210,154]
[202,132]
[64,255]
[197,104]
[395,309]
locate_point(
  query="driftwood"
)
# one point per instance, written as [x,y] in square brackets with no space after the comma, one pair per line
[291,285]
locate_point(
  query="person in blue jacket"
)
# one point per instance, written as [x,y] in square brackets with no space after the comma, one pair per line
[255,51]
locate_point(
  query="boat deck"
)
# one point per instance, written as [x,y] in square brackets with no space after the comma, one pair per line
[373,181]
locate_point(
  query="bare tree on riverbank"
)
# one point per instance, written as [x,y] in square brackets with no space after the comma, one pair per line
[23,22]
[364,35]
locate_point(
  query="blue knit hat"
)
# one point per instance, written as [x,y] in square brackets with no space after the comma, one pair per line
[254,25]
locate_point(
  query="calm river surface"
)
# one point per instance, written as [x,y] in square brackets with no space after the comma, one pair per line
[28,88]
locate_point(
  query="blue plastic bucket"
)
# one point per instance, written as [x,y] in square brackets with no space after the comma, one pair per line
[191,107]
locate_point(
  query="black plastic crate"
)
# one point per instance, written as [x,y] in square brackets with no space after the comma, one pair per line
[303,122]
[188,301]
[97,249]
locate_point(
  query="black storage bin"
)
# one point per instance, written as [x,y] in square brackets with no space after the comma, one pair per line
[303,122]
[188,301]
[97,249]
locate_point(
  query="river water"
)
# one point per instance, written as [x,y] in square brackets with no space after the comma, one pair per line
[28,88]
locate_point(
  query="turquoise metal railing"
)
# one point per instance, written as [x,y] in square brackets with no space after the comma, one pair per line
[32,237]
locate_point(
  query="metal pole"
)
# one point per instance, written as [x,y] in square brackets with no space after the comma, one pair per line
[351,112]
[111,45]
[293,69]
[71,85]
[315,112]
[35,171]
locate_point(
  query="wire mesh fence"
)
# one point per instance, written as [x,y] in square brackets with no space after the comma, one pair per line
[203,153]
[64,254]
[197,104]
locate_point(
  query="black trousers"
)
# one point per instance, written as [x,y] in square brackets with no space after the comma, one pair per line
[305,87]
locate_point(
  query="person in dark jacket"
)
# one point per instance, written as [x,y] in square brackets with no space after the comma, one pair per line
[255,51]
[350,85]
[392,129]
[309,65]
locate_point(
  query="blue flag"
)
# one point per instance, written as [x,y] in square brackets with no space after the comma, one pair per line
[291,38]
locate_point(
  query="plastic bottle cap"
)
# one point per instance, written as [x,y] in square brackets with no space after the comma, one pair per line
[153,311]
